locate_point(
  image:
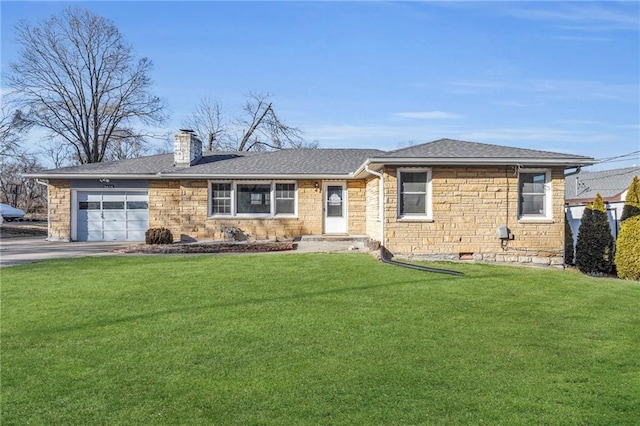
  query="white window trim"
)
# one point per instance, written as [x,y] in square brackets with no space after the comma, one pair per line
[428,202]
[234,192]
[547,217]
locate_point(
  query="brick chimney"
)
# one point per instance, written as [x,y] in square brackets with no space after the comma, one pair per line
[187,148]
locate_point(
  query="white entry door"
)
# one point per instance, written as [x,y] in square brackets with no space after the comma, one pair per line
[335,208]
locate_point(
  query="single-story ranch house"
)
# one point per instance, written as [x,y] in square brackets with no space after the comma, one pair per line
[444,199]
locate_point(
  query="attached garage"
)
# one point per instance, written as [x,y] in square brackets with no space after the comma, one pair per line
[111,215]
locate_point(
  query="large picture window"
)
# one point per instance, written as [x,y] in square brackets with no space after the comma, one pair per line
[534,194]
[414,198]
[253,199]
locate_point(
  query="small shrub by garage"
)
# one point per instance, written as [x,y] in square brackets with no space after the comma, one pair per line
[628,249]
[158,236]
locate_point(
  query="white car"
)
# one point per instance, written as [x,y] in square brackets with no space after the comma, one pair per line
[10,213]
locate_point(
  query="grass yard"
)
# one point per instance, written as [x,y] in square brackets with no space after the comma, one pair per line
[314,339]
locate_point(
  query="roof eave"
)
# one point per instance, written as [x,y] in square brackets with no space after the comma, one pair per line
[172,176]
[501,161]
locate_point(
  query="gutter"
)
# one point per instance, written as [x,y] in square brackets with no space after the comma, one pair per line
[452,161]
[173,176]
[380,199]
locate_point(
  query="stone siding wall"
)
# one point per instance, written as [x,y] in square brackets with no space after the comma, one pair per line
[164,204]
[183,206]
[469,204]
[357,204]
[59,192]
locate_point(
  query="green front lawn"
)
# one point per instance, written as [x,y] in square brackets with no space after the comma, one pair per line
[314,339]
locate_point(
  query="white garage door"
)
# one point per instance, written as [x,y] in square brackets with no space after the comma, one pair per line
[112,216]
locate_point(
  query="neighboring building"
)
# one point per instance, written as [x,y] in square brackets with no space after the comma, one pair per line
[581,188]
[443,199]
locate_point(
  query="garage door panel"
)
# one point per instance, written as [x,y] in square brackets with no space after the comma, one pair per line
[88,215]
[115,235]
[136,235]
[112,216]
[137,225]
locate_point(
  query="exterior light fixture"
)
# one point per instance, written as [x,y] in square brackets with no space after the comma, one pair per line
[317,185]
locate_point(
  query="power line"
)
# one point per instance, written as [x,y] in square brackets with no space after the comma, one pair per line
[609,159]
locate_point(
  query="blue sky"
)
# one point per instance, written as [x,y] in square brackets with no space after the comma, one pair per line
[556,76]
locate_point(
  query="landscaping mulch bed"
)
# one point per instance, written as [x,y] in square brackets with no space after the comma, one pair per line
[221,247]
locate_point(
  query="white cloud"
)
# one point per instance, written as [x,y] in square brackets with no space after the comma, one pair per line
[551,89]
[428,115]
[584,16]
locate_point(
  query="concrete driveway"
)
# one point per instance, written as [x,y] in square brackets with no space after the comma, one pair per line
[19,250]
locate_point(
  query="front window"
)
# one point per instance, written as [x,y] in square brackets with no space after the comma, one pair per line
[221,198]
[257,199]
[414,199]
[534,192]
[254,199]
[285,198]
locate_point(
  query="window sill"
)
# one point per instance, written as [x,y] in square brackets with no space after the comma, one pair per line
[415,219]
[250,217]
[537,220]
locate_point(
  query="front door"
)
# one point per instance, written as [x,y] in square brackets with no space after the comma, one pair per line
[335,208]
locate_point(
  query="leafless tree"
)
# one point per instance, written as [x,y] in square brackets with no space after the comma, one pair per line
[126,144]
[207,121]
[12,127]
[78,79]
[58,155]
[258,129]
[24,193]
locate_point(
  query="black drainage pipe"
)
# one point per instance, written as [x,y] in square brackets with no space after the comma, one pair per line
[385,259]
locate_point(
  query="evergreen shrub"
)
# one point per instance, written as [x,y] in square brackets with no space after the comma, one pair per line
[594,249]
[568,242]
[632,201]
[628,249]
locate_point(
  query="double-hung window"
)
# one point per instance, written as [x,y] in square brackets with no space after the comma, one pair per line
[534,195]
[285,198]
[414,193]
[221,198]
[253,199]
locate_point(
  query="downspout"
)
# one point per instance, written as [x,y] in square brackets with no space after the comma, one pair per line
[383,250]
[40,182]
[380,200]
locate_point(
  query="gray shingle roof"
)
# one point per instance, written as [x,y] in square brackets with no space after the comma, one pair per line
[283,162]
[585,185]
[313,162]
[449,148]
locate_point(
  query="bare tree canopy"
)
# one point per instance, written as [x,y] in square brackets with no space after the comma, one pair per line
[258,129]
[77,78]
[12,126]
[206,120]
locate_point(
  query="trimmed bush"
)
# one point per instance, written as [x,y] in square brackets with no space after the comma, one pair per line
[594,249]
[628,249]
[158,236]
[632,200]
[568,242]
